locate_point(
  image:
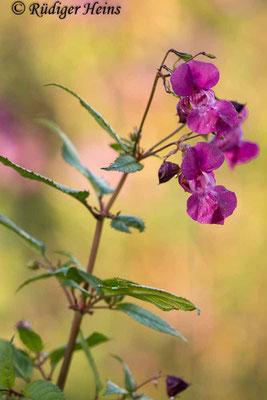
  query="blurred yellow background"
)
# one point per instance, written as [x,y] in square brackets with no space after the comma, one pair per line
[111,62]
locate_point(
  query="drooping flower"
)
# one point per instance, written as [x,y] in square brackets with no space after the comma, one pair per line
[189,77]
[167,171]
[231,143]
[208,203]
[175,385]
[192,81]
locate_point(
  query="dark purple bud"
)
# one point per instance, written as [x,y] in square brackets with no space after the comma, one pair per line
[167,171]
[24,324]
[175,385]
[238,106]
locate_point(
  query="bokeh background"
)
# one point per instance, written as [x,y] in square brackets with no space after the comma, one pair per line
[111,62]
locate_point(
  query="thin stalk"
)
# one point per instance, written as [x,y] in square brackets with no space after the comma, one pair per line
[154,86]
[149,151]
[78,315]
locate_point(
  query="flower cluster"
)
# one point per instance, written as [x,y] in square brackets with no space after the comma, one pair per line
[204,114]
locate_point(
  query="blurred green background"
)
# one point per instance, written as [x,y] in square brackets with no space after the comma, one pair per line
[111,62]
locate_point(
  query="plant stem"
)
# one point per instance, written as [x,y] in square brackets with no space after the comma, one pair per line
[158,75]
[78,316]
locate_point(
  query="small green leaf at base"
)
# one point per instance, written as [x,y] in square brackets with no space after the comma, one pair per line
[148,319]
[93,340]
[7,371]
[91,361]
[23,364]
[31,339]
[112,388]
[122,223]
[43,390]
[125,163]
[129,381]
[30,240]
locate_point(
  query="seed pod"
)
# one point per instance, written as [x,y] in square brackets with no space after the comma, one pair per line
[167,171]
[175,385]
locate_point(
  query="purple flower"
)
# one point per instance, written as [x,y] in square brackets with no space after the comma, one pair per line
[203,157]
[208,203]
[167,171]
[175,385]
[236,150]
[217,117]
[193,81]
[193,75]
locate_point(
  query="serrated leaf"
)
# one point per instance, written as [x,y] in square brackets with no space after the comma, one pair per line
[125,163]
[31,339]
[30,240]
[43,390]
[80,195]
[123,222]
[148,319]
[7,371]
[129,381]
[99,119]
[71,156]
[91,361]
[162,299]
[61,272]
[112,388]
[23,364]
[93,340]
[92,280]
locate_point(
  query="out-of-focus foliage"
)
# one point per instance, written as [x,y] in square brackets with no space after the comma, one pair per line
[111,61]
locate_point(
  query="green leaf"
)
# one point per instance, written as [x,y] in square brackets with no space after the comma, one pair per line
[129,381]
[59,273]
[72,284]
[123,222]
[71,156]
[72,258]
[99,119]
[125,163]
[93,340]
[23,364]
[34,243]
[31,339]
[7,371]
[148,319]
[184,56]
[43,390]
[160,298]
[91,361]
[77,194]
[112,388]
[144,397]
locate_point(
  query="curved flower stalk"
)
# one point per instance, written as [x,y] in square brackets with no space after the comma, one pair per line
[192,81]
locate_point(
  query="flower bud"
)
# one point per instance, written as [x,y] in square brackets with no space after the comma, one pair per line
[175,385]
[167,171]
[24,324]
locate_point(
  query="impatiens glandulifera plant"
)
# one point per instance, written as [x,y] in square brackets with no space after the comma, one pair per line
[217,124]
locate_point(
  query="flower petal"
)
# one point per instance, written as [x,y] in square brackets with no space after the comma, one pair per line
[209,156]
[245,152]
[182,80]
[190,167]
[201,208]
[229,139]
[226,201]
[228,116]
[205,75]
[203,120]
